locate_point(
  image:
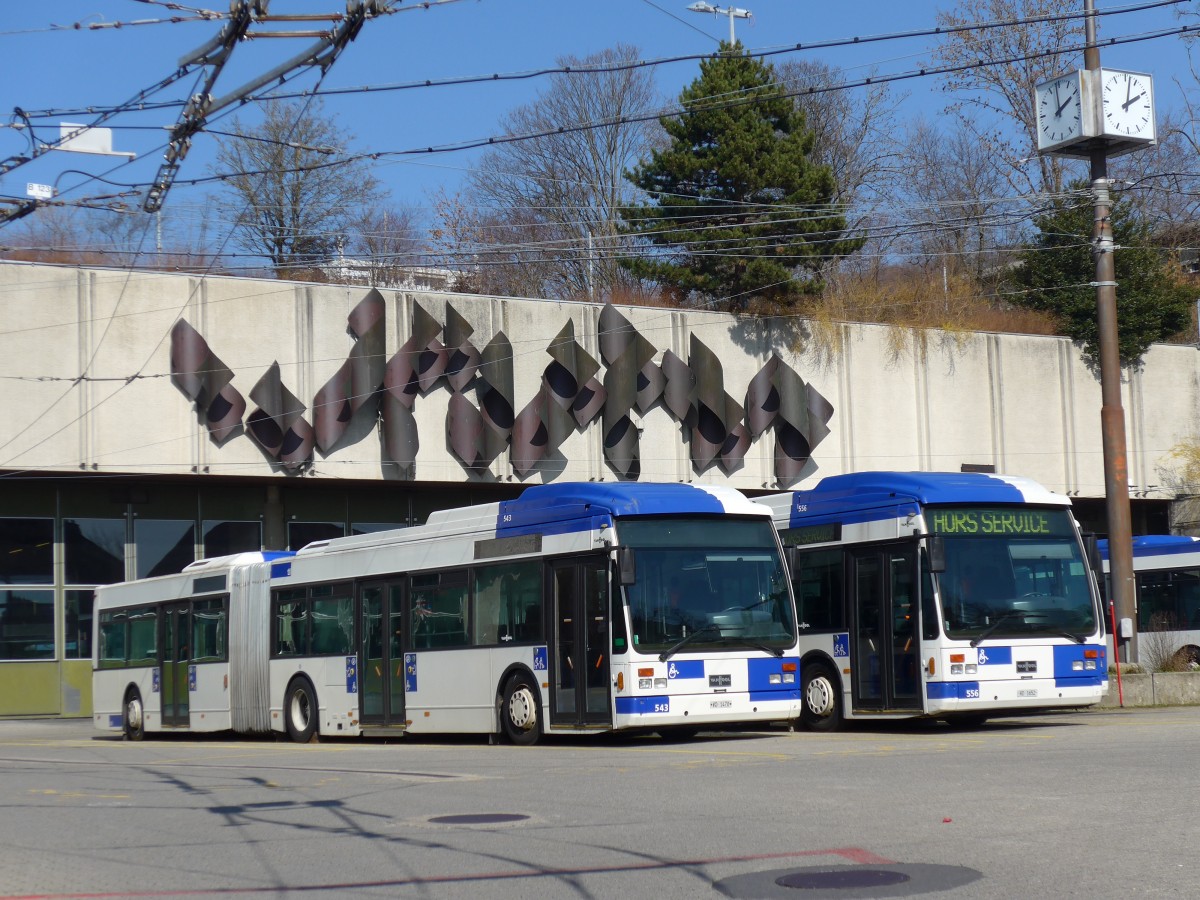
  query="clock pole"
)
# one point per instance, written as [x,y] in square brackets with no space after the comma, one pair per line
[1112,416]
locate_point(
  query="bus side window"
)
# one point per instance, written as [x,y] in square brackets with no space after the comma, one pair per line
[291,623]
[113,639]
[817,582]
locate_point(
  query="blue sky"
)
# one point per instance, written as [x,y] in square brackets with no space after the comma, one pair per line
[42,68]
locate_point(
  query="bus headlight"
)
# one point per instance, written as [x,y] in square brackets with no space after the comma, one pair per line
[972,668]
[644,684]
[956,668]
[775,678]
[660,683]
[789,677]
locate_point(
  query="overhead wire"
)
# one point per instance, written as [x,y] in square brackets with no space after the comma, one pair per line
[869,81]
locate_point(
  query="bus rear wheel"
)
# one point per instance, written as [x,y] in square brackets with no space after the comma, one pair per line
[821,708]
[300,711]
[134,720]
[519,712]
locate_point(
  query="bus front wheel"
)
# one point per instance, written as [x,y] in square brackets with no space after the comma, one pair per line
[822,703]
[300,711]
[135,717]
[519,711]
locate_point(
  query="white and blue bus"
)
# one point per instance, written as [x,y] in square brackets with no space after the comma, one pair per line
[943,595]
[575,608]
[1166,570]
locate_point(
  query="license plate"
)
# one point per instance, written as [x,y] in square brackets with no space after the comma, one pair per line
[1031,692]
[720,704]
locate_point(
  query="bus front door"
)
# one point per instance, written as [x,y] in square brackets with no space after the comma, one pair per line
[380,657]
[885,632]
[579,643]
[176,660]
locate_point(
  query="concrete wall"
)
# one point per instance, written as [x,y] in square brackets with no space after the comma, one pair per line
[85,385]
[1157,689]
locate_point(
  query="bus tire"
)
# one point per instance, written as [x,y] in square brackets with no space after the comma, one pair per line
[520,721]
[820,699]
[300,711]
[133,719]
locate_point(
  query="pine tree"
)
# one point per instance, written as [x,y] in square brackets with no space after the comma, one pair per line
[739,216]
[1057,273]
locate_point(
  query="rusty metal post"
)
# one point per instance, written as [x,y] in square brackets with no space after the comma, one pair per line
[1112,415]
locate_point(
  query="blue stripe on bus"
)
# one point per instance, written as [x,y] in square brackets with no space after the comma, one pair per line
[990,655]
[685,668]
[281,570]
[759,672]
[1148,545]
[1065,656]
[640,706]
[580,506]
[872,496]
[951,690]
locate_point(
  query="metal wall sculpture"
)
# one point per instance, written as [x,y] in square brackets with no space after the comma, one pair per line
[571,396]
[278,425]
[355,386]
[204,379]
[568,400]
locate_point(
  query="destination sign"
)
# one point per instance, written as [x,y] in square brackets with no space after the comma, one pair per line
[813,534]
[974,520]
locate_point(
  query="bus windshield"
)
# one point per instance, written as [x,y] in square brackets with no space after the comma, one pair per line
[1011,573]
[719,583]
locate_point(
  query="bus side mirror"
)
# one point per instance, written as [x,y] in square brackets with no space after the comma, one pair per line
[626,566]
[937,553]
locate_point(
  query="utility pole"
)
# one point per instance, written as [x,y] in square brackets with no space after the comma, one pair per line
[1112,416]
[732,11]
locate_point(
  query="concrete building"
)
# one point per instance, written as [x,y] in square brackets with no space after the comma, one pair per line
[147,420]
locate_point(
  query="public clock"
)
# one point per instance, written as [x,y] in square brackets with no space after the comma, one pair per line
[1059,107]
[1127,104]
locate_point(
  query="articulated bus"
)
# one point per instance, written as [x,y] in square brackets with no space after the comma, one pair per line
[942,595]
[575,608]
[1166,571]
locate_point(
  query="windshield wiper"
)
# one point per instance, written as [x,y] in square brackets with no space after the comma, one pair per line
[1079,639]
[703,629]
[774,651]
[1001,619]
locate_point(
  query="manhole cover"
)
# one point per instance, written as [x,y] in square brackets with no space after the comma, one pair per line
[841,879]
[479,819]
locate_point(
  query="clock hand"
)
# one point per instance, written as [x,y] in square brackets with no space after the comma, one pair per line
[1063,105]
[1128,103]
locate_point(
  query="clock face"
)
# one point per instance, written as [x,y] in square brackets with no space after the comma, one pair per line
[1128,104]
[1059,111]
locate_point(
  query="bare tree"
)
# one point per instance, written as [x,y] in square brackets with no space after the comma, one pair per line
[385,246]
[292,187]
[957,211]
[489,253]
[560,193]
[1000,93]
[855,133]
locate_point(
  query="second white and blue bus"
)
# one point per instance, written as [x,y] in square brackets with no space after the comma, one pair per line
[574,608]
[959,596]
[1166,570]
